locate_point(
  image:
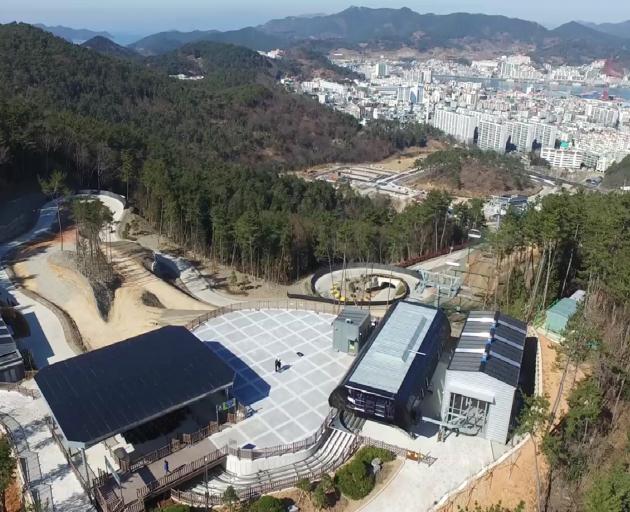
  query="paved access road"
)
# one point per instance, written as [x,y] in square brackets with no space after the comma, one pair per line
[196,284]
[47,343]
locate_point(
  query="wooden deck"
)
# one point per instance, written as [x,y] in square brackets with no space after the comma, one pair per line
[149,480]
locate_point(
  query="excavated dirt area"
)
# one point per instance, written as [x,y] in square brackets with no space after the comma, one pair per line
[129,315]
[13,497]
[406,159]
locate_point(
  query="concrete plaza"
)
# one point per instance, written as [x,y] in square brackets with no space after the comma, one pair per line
[290,405]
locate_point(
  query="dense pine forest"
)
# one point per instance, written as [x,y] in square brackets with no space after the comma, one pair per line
[570,242]
[203,160]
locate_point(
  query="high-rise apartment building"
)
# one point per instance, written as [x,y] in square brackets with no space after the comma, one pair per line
[493,136]
[458,125]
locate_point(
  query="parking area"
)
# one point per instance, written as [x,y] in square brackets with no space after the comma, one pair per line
[288,405]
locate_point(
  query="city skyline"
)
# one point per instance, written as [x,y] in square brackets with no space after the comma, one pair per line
[143,17]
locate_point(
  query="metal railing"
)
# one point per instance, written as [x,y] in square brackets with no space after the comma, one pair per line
[398,450]
[284,304]
[112,503]
[195,499]
[433,254]
[284,449]
[175,445]
[186,471]
[150,458]
[182,473]
[85,477]
[201,434]
[29,467]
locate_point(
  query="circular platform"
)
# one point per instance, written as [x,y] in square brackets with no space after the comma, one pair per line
[368,284]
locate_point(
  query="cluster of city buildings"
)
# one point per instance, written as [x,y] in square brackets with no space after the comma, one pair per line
[503,105]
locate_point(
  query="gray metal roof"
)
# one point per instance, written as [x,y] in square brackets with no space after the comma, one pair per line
[385,364]
[107,391]
[506,348]
[9,353]
[7,345]
[356,315]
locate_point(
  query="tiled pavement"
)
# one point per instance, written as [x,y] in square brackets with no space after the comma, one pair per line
[290,405]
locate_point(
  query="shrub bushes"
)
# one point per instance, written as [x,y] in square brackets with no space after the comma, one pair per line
[267,504]
[356,480]
[368,453]
[175,508]
[320,498]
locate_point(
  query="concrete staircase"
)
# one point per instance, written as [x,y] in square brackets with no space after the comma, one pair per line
[327,457]
[348,422]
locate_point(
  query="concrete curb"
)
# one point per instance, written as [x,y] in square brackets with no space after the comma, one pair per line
[70,329]
[391,479]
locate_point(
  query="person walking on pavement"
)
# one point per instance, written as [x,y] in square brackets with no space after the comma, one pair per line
[166,470]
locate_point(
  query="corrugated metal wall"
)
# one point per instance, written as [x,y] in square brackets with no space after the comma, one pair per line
[499,412]
[343,331]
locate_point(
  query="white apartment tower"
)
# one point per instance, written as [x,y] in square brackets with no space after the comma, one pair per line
[544,134]
[523,135]
[520,137]
[493,136]
[381,70]
[460,126]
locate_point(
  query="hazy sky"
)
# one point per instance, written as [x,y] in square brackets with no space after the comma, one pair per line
[146,16]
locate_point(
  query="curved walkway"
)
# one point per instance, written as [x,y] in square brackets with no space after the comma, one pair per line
[324,284]
[47,342]
[335,449]
[196,284]
[67,493]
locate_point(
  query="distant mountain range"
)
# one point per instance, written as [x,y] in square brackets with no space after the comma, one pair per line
[106,46]
[362,24]
[74,35]
[249,37]
[385,29]
[621,29]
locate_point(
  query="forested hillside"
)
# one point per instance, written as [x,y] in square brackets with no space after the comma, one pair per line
[201,159]
[570,242]
[237,115]
[618,174]
[106,46]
